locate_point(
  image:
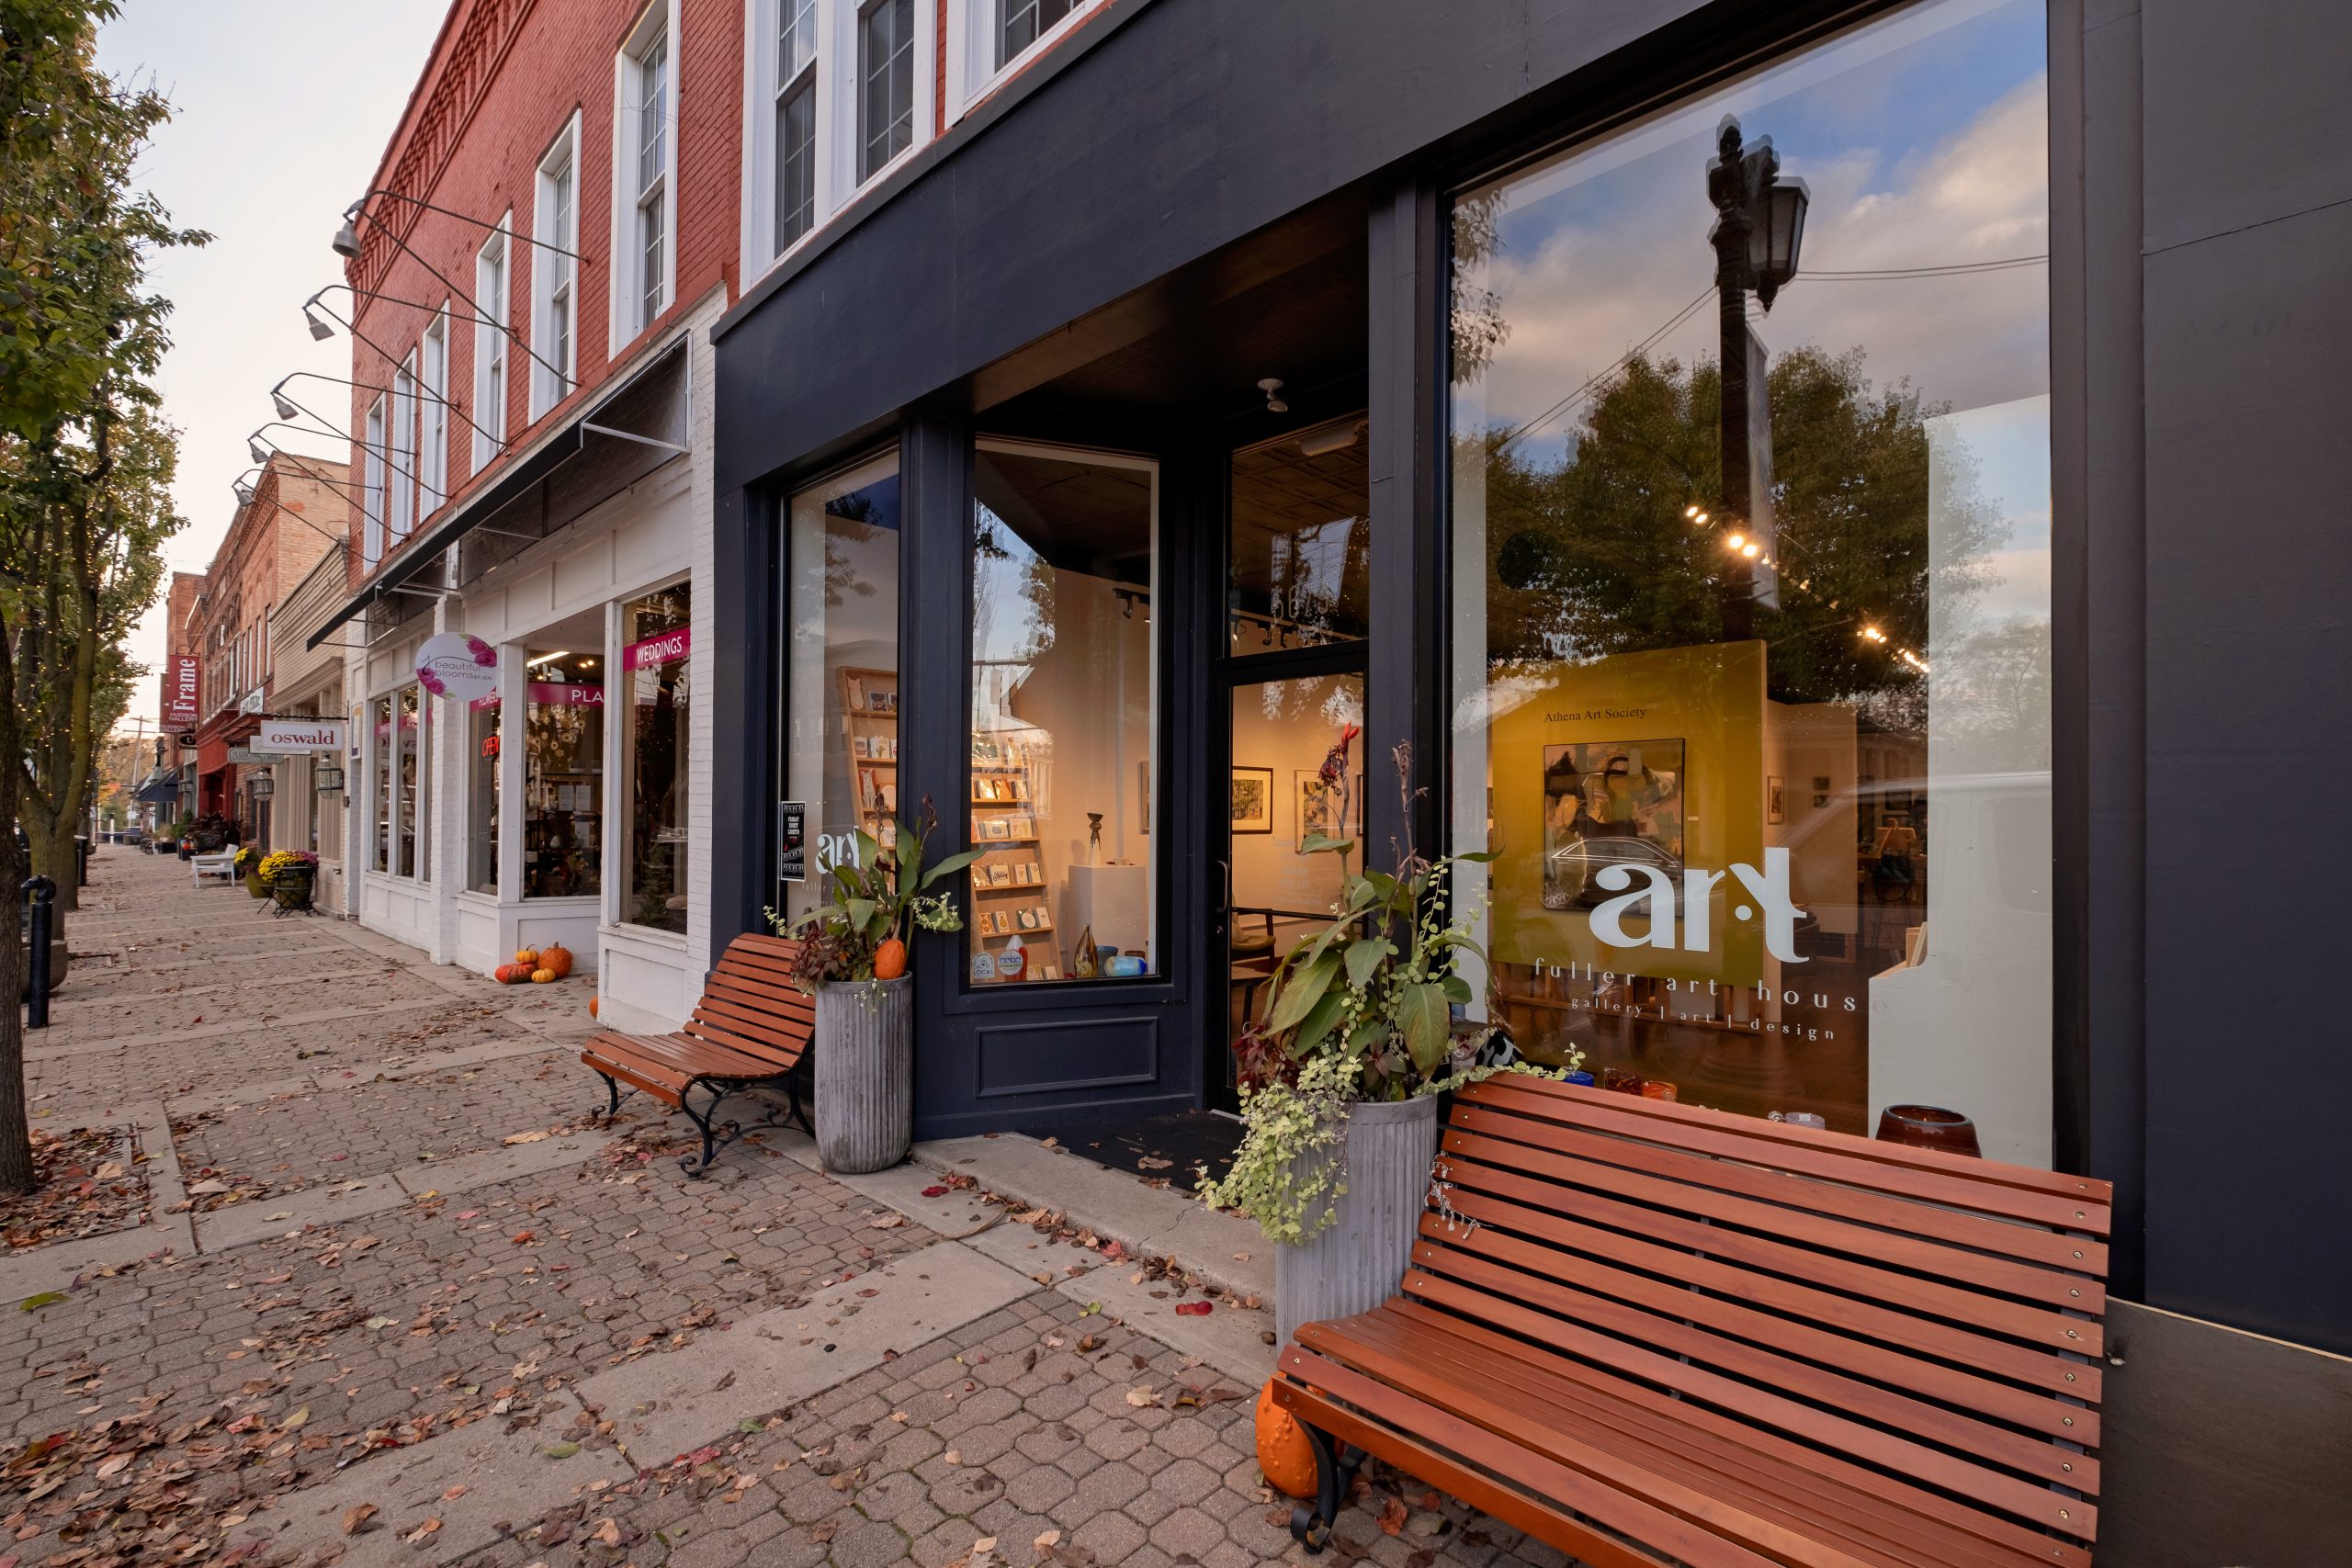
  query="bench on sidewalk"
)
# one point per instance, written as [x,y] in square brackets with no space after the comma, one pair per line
[753,1026]
[1646,1332]
[223,865]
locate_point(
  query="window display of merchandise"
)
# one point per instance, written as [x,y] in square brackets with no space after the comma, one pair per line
[563,775]
[869,710]
[657,638]
[481,794]
[1752,669]
[1065,692]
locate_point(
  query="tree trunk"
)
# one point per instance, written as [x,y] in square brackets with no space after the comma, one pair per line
[53,857]
[16,1136]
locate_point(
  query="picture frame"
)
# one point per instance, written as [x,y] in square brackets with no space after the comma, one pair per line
[1251,801]
[1776,800]
[1334,812]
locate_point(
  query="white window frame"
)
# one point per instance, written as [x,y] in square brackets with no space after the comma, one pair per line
[638,200]
[973,27]
[494,268]
[401,467]
[371,486]
[919,110]
[432,418]
[555,277]
[764,21]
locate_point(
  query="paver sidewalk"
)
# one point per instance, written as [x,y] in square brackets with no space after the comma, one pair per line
[396,1300]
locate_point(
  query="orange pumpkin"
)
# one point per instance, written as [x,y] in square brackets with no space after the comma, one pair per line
[1283,1452]
[890,959]
[526,956]
[508,974]
[541,976]
[557,957]
[591,1007]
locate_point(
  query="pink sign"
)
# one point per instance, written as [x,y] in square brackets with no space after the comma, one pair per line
[667,649]
[550,693]
[181,689]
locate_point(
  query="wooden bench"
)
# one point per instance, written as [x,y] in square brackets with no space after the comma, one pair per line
[753,1026]
[1645,1333]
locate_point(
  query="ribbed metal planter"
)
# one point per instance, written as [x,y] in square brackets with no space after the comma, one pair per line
[864,1074]
[1354,1266]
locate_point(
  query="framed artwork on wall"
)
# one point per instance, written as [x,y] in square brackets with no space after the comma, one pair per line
[1613,802]
[1776,800]
[1334,809]
[1253,800]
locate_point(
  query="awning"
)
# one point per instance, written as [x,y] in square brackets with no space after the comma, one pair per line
[606,425]
[157,791]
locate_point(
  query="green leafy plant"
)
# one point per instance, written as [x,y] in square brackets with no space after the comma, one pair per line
[1364,1012]
[877,899]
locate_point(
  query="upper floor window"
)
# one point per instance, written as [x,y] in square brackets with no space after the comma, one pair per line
[402,465]
[371,487]
[490,345]
[795,126]
[554,273]
[432,419]
[642,172]
[1020,23]
[886,74]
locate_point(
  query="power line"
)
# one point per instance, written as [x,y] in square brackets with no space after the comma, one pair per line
[1611,369]
[1953,270]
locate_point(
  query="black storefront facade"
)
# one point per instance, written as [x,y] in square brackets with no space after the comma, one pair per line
[1009,522]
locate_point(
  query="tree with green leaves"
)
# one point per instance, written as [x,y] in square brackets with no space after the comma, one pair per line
[85,462]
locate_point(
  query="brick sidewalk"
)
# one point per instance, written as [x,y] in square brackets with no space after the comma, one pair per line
[467,1352]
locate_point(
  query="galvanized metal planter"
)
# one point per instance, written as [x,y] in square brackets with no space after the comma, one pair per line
[1354,1265]
[864,1074]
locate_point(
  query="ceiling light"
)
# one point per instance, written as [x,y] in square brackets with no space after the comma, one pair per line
[1271,385]
[1750,551]
[1735,541]
[1690,511]
[1338,438]
[545,657]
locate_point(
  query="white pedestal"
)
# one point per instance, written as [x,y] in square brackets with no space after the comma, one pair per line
[1114,902]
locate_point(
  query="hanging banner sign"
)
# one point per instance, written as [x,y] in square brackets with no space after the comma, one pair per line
[667,649]
[181,689]
[297,735]
[453,664]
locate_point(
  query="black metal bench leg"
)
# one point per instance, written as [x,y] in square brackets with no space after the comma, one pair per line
[1335,1476]
[704,1123]
[613,1098]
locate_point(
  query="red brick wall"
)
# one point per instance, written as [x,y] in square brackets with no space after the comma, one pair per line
[506,78]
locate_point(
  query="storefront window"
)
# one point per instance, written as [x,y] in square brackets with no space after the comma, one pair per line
[409,793]
[842,717]
[656,639]
[1301,549]
[379,793]
[481,794]
[1065,694]
[1767,762]
[563,775]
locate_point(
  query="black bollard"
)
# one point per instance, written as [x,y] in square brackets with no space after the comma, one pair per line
[43,893]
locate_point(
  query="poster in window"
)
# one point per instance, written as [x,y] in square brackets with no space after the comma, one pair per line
[1253,800]
[1609,803]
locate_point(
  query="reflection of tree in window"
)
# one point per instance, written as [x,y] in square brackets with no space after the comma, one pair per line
[1595,557]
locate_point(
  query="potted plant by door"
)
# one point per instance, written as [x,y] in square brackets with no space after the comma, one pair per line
[854,961]
[248,867]
[288,876]
[1339,1083]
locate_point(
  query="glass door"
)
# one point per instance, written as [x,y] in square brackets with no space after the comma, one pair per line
[1289,698]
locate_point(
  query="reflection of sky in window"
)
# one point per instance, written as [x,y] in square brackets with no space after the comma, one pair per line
[1006,631]
[1923,140]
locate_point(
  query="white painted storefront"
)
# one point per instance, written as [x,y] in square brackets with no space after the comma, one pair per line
[526,831]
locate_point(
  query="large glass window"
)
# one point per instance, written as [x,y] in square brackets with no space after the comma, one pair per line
[841,714]
[1752,670]
[410,826]
[1022,22]
[563,774]
[482,768]
[657,637]
[1064,709]
[380,786]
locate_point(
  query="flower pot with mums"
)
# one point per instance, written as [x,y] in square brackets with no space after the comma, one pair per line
[1339,1083]
[854,961]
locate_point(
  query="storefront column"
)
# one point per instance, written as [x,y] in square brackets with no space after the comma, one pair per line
[934,476]
[1404,697]
[745,678]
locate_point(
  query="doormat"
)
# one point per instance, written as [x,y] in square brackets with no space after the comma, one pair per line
[1171,1148]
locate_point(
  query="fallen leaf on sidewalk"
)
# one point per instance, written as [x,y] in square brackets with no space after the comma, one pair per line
[1392,1516]
[355,1518]
[822,1530]
[526,1137]
[421,1531]
[1192,1309]
[934,1191]
[1142,1398]
[1044,1542]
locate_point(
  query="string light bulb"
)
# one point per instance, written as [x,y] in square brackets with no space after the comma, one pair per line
[1736,541]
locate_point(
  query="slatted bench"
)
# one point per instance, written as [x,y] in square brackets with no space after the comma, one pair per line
[753,1026]
[1643,1332]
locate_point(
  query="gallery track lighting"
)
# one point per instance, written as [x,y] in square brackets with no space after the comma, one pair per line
[1332,438]
[1271,386]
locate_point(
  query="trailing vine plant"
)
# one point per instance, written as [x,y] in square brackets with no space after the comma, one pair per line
[1362,1012]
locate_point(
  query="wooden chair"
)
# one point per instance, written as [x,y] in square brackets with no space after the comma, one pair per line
[753,1026]
[1645,1333]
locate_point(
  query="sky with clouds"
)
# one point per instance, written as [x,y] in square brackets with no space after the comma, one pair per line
[281,109]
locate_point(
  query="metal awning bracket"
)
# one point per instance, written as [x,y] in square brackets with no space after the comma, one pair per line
[632,435]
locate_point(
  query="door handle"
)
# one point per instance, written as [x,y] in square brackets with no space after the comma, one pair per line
[1224,883]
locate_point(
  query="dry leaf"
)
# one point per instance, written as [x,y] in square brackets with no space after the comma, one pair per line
[459,1490]
[526,1137]
[1142,1398]
[822,1530]
[355,1518]
[607,1531]
[1044,1542]
[421,1531]
[1392,1516]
